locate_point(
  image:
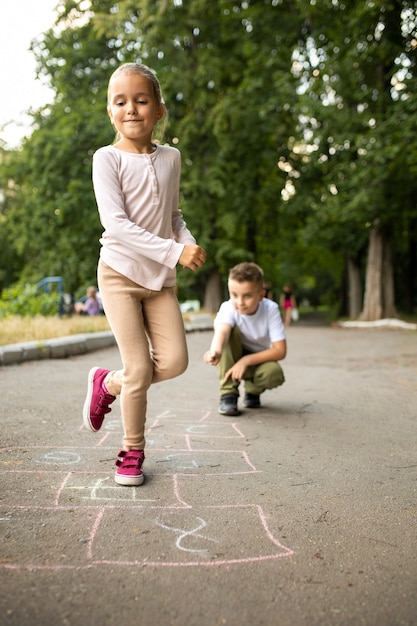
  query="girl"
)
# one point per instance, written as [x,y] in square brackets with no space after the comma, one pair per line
[136,184]
[287,303]
[91,306]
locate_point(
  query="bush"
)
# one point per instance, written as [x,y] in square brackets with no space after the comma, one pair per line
[28,302]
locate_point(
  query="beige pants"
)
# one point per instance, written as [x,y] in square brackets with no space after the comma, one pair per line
[149,331]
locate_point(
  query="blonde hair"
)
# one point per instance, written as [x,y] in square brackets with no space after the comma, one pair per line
[91,291]
[150,75]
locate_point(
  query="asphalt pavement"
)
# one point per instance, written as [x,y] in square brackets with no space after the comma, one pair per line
[301,513]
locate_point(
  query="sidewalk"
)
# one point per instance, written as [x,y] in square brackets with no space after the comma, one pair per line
[302,513]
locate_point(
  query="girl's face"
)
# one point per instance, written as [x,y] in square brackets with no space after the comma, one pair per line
[245,296]
[133,108]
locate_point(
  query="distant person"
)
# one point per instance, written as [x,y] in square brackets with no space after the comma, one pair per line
[288,303]
[136,185]
[91,306]
[249,340]
[267,288]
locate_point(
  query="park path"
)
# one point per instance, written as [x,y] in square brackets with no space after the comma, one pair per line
[301,513]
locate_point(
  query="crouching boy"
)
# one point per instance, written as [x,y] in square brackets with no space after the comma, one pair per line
[248,341]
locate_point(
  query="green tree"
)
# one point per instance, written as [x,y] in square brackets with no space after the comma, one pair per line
[51,213]
[295,122]
[225,69]
[356,66]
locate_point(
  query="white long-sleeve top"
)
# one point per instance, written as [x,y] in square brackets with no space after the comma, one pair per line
[137,197]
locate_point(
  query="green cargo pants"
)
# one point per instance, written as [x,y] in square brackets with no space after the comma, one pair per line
[257,377]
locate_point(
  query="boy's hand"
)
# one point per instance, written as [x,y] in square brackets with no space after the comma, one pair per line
[212,358]
[237,371]
[192,257]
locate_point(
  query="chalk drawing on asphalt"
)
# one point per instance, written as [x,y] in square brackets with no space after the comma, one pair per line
[166,528]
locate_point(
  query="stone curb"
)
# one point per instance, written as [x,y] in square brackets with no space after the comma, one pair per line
[57,348]
[72,345]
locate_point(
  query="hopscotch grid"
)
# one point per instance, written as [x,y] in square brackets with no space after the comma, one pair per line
[94,531]
[168,415]
[232,425]
[93,507]
[187,436]
[207,474]
[177,492]
[285,552]
[167,450]
[141,564]
[102,504]
[62,487]
[102,440]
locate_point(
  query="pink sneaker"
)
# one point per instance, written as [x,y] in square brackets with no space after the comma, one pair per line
[129,468]
[97,400]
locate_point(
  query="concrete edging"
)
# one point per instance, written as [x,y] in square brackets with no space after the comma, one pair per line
[72,345]
[57,348]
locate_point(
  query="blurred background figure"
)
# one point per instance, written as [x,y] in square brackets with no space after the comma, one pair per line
[288,305]
[267,288]
[92,304]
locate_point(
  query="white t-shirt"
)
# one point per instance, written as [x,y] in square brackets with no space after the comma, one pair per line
[259,330]
[137,198]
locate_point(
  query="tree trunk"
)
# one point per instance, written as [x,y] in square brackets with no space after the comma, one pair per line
[372,306]
[354,289]
[213,295]
[388,301]
[379,282]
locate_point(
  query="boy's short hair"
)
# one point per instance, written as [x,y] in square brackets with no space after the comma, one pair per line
[247,272]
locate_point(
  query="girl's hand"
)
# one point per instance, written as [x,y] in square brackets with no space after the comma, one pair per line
[192,257]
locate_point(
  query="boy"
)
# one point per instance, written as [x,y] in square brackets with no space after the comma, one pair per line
[249,339]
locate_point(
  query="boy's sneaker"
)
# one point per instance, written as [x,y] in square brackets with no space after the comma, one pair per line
[97,400]
[129,468]
[228,404]
[251,401]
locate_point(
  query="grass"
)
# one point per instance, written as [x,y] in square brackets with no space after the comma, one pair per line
[16,329]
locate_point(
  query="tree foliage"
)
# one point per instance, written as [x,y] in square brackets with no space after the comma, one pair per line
[357,69]
[295,122]
[49,205]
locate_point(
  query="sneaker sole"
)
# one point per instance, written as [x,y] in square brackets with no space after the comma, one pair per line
[87,403]
[129,481]
[230,412]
